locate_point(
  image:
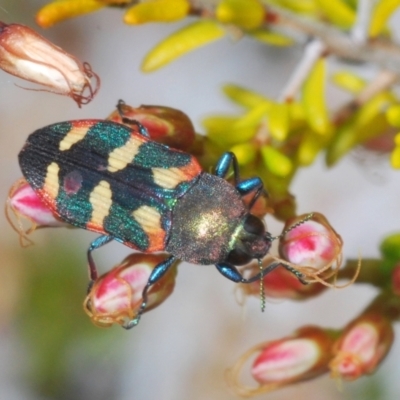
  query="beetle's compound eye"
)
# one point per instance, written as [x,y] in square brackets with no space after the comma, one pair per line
[238,257]
[254,225]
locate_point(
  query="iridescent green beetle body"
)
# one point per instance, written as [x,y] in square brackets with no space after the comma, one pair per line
[203,226]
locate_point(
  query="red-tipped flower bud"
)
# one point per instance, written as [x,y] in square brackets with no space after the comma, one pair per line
[282,284]
[23,202]
[311,243]
[165,124]
[362,346]
[305,355]
[28,55]
[116,296]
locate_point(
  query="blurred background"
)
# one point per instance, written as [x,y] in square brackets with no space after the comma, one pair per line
[49,349]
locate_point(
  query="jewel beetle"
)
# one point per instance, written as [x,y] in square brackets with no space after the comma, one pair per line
[112,179]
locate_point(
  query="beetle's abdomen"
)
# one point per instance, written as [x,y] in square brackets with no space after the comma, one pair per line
[204,220]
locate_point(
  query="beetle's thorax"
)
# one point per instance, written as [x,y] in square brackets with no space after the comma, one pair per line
[204,220]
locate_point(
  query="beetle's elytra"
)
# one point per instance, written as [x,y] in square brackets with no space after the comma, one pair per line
[109,178]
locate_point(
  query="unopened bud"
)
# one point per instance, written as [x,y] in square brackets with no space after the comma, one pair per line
[282,284]
[116,296]
[311,243]
[25,204]
[305,355]
[362,346]
[28,55]
[165,124]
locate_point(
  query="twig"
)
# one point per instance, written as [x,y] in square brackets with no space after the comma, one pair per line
[383,81]
[359,32]
[386,55]
[313,51]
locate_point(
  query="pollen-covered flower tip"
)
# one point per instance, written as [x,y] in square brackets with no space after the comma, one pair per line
[305,355]
[362,346]
[165,124]
[25,205]
[310,242]
[28,55]
[115,297]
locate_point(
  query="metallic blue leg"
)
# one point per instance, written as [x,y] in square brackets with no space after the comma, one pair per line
[223,165]
[142,130]
[244,187]
[100,241]
[251,185]
[231,272]
[157,273]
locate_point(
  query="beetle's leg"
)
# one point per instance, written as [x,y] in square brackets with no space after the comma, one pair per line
[157,273]
[142,130]
[245,187]
[231,272]
[251,185]
[100,241]
[227,160]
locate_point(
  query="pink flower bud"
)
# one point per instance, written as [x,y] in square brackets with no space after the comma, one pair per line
[28,55]
[23,202]
[305,355]
[165,124]
[312,243]
[282,284]
[362,346]
[116,296]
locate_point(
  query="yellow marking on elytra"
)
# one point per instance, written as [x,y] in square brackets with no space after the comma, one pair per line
[168,178]
[75,135]
[100,199]
[120,157]
[51,184]
[149,219]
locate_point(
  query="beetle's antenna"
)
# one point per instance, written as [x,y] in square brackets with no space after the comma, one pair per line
[305,219]
[262,291]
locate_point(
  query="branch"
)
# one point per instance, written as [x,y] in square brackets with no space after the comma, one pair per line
[359,31]
[312,53]
[384,54]
[383,81]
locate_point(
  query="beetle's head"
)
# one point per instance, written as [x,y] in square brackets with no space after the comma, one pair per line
[250,241]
